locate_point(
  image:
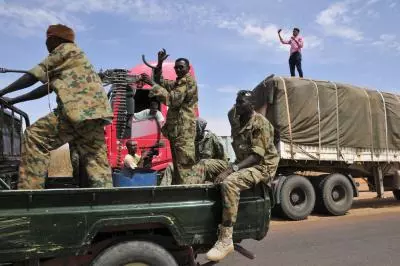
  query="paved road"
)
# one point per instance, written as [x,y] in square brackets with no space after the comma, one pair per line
[367,236]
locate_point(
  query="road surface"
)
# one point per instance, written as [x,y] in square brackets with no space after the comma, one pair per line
[368,235]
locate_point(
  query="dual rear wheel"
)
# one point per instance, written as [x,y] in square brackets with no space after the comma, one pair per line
[331,194]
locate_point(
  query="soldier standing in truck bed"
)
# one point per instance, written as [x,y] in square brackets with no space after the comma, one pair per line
[81,114]
[181,97]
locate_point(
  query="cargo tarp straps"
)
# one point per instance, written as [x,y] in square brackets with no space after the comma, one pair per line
[337,121]
[398,99]
[386,125]
[370,125]
[288,117]
[319,119]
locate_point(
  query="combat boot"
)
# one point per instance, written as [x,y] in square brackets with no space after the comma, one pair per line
[223,246]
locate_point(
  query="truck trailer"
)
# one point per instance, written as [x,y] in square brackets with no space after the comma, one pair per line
[328,133]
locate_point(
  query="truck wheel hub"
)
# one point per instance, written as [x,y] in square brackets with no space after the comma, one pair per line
[297,196]
[338,193]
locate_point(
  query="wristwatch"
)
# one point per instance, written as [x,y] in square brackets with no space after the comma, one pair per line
[235,167]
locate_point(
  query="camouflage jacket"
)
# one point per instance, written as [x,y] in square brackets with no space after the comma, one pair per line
[80,94]
[210,148]
[257,136]
[233,120]
[181,97]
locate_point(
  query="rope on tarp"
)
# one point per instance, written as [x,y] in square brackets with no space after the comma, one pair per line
[319,119]
[288,117]
[386,125]
[370,125]
[337,122]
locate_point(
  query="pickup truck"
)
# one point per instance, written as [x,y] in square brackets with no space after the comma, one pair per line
[119,226]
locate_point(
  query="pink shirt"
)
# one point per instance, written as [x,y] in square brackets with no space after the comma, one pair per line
[294,47]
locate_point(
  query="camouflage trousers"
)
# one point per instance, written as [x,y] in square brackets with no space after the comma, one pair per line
[53,131]
[230,189]
[199,174]
[209,169]
[183,158]
[74,157]
[78,167]
[166,179]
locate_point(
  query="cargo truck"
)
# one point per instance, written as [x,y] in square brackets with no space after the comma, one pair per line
[327,134]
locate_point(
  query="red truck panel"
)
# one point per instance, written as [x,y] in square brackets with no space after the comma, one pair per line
[144,132]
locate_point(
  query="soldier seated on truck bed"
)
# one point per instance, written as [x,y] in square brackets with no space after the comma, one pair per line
[207,146]
[257,161]
[80,117]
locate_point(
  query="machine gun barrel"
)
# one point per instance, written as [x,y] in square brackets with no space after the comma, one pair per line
[6,70]
[111,76]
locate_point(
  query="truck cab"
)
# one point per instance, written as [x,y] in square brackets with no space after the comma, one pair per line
[145,132]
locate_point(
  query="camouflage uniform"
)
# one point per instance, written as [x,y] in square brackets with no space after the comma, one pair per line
[74,157]
[180,126]
[208,148]
[255,137]
[82,113]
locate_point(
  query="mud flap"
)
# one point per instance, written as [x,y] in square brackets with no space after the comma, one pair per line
[396,180]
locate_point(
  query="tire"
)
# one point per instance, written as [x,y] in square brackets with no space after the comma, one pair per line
[297,198]
[146,253]
[335,195]
[396,194]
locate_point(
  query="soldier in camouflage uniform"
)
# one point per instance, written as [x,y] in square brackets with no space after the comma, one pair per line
[180,127]
[82,112]
[207,146]
[207,143]
[257,161]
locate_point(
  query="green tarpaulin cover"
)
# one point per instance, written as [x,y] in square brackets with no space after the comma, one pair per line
[323,113]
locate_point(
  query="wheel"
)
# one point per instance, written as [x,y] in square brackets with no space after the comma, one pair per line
[297,198]
[335,195]
[396,194]
[135,253]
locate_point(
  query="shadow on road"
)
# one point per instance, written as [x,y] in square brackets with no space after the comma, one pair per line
[358,204]
[375,203]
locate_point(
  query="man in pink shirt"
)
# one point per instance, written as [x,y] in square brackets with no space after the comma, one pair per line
[296,43]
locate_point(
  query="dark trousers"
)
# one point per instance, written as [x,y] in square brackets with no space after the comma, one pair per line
[295,62]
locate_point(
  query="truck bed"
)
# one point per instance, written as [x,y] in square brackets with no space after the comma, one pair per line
[61,222]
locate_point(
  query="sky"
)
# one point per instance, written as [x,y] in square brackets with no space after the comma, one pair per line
[232,45]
